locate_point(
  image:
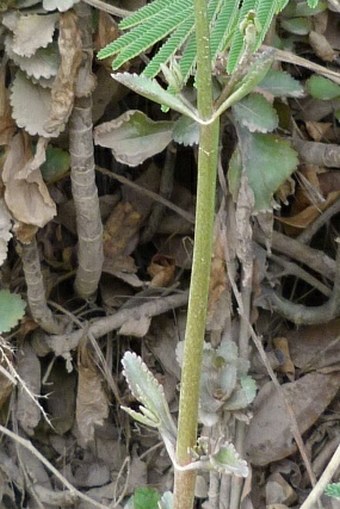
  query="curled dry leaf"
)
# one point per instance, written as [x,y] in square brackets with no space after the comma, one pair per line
[26,194]
[63,90]
[162,270]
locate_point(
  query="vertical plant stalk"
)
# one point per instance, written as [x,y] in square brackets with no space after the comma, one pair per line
[36,296]
[85,194]
[199,286]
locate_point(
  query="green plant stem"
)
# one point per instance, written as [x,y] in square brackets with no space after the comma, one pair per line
[199,286]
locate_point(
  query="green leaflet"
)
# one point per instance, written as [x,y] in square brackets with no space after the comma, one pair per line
[170,47]
[144,13]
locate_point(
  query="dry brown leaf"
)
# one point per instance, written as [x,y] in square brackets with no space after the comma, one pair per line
[218,274]
[92,401]
[307,216]
[120,231]
[269,436]
[63,90]
[315,346]
[162,270]
[26,194]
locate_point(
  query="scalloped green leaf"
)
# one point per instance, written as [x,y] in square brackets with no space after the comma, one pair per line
[186,131]
[322,88]
[281,84]
[133,137]
[267,161]
[256,113]
[228,461]
[12,309]
[148,391]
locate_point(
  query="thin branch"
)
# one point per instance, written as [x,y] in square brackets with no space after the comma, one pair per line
[101,326]
[303,315]
[291,58]
[315,259]
[295,270]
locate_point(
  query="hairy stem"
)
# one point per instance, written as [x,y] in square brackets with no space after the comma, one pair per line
[199,286]
[85,195]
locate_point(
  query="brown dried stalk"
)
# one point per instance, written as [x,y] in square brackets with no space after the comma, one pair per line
[85,195]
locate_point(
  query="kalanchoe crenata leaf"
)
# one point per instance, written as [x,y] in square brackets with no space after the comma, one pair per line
[256,113]
[133,137]
[226,460]
[148,391]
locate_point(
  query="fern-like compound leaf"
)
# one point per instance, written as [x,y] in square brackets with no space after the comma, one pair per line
[265,10]
[156,29]
[170,47]
[144,13]
[237,43]
[188,58]
[223,28]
